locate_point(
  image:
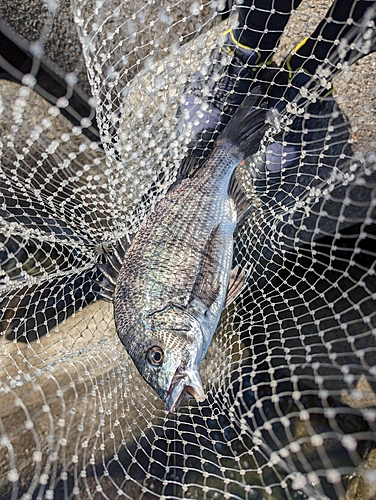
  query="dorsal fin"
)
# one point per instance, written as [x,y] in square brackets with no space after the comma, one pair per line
[110,269]
[121,249]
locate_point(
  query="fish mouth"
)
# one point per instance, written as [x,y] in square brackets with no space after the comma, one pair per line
[185,384]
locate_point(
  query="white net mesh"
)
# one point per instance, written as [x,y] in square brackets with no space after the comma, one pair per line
[290,374]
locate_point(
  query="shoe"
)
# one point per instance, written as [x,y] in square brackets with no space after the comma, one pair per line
[293,88]
[217,89]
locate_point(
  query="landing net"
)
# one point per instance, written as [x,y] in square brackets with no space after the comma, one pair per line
[89,144]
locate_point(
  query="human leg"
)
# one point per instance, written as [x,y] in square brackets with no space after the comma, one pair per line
[299,70]
[261,23]
[322,44]
[217,89]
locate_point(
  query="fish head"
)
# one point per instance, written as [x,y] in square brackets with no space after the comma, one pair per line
[168,351]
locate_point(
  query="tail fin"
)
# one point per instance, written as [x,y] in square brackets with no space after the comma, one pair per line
[247,126]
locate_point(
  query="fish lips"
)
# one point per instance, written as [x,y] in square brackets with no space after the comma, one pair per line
[185,384]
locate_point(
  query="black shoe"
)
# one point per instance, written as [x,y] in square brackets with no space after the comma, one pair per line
[300,96]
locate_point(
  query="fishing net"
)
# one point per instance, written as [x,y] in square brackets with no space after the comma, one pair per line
[89,144]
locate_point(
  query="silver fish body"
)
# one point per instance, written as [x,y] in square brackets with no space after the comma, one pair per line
[172,286]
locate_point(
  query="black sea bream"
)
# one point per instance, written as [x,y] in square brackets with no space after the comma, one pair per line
[176,277]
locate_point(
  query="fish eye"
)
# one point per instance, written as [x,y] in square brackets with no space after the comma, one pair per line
[155,356]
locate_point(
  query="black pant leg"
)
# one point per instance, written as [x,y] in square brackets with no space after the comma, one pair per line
[262,22]
[334,26]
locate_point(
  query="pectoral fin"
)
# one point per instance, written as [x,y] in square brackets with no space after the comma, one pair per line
[207,286]
[236,284]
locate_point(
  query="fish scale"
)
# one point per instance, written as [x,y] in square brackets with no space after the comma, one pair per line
[172,285]
[178,238]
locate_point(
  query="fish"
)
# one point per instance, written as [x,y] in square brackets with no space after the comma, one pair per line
[171,284]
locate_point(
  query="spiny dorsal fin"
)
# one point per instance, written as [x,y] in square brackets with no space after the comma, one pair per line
[121,249]
[106,282]
[236,284]
[242,203]
[105,293]
[111,267]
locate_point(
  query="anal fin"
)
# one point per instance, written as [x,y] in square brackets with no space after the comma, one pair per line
[242,203]
[187,166]
[236,284]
